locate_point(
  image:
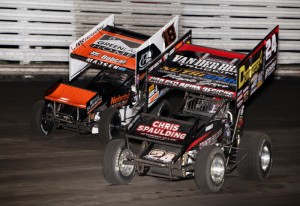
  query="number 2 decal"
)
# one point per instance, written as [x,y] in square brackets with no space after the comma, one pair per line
[160,155]
[271,46]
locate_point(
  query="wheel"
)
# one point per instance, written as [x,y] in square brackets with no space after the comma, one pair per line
[210,168]
[109,124]
[114,169]
[162,109]
[39,124]
[258,162]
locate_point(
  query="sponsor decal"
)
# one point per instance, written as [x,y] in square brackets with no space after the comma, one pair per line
[113,59]
[101,63]
[145,59]
[211,140]
[94,54]
[209,65]
[246,73]
[116,45]
[153,98]
[93,103]
[119,100]
[160,155]
[253,83]
[179,78]
[202,82]
[153,94]
[81,41]
[246,93]
[162,129]
[194,73]
[270,68]
[192,87]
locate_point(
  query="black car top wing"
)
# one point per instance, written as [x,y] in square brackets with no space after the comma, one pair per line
[257,66]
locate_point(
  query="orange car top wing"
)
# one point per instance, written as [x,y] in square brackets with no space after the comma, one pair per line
[107,47]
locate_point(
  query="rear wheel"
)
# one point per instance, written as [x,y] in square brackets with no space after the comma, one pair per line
[210,168]
[115,171]
[39,124]
[256,147]
[109,124]
[162,109]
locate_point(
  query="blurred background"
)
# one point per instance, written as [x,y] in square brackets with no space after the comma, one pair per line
[35,34]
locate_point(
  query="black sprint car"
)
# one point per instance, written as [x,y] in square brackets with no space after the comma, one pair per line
[204,137]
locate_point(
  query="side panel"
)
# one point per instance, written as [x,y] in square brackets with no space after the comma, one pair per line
[154,46]
[257,66]
[77,66]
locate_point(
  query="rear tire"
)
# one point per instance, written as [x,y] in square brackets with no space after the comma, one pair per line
[162,109]
[258,162]
[39,125]
[210,169]
[114,171]
[109,124]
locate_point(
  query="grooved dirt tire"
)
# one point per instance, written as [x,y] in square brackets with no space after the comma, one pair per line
[210,169]
[114,170]
[258,162]
[162,109]
[39,125]
[109,124]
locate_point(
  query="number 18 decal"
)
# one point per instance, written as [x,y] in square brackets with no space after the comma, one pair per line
[271,46]
[160,155]
[169,35]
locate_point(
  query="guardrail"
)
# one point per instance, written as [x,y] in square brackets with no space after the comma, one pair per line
[41,30]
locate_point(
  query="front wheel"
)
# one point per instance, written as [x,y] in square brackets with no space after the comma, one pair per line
[256,147]
[210,169]
[115,170]
[109,124]
[39,123]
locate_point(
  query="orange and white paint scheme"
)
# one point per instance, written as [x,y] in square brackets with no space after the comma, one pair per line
[109,47]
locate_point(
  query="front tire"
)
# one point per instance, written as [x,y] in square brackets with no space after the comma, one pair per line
[257,148]
[114,169]
[39,124]
[109,124]
[210,169]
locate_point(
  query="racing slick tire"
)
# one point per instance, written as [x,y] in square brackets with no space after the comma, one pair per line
[114,170]
[39,125]
[162,109]
[256,147]
[210,169]
[109,124]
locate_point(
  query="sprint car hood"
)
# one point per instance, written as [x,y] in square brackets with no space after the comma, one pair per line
[74,96]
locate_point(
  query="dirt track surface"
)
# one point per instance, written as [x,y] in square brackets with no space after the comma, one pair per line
[66,168]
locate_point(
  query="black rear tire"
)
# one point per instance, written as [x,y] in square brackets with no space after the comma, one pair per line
[258,162]
[210,169]
[39,125]
[114,171]
[161,109]
[109,124]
